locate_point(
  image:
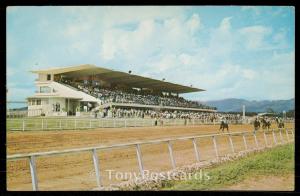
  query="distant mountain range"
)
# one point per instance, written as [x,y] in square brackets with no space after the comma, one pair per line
[235,105]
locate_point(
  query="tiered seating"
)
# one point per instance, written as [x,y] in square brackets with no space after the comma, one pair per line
[134,96]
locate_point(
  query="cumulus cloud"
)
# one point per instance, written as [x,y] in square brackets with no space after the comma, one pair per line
[167,42]
[254,36]
[194,23]
[255,9]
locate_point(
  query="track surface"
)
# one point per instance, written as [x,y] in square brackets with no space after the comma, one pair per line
[76,171]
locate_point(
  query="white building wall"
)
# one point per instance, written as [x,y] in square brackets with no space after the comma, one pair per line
[42,77]
[61,102]
[46,107]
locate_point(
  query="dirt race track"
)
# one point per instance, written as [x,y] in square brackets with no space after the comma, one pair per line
[76,171]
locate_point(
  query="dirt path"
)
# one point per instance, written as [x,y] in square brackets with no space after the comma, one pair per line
[76,171]
[266,183]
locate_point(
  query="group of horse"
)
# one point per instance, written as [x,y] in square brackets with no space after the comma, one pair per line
[267,124]
[263,123]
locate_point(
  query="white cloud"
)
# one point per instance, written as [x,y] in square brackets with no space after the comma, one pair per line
[149,38]
[194,23]
[255,9]
[162,43]
[254,36]
[185,59]
[225,24]
[249,74]
[119,15]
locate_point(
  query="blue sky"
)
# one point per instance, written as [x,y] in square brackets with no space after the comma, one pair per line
[230,51]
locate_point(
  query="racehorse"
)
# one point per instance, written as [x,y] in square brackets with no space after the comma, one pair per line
[280,123]
[223,126]
[265,124]
[256,124]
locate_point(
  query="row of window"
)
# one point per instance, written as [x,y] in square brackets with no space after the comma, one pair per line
[36,102]
[45,89]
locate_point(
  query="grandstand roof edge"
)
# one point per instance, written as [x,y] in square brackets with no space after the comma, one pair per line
[176,87]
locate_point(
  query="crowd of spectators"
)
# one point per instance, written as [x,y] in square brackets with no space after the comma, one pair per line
[107,95]
[148,113]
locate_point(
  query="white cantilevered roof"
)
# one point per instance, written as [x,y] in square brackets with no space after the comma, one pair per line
[119,77]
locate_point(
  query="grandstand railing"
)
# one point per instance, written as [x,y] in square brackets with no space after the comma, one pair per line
[74,123]
[33,171]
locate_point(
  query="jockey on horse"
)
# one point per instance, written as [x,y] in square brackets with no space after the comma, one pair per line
[224,124]
[279,122]
[266,123]
[256,124]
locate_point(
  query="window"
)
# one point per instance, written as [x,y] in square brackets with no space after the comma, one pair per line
[48,77]
[45,89]
[38,102]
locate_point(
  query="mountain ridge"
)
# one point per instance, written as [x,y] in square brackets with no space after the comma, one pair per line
[235,105]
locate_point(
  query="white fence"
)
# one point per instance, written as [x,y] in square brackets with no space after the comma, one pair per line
[31,156]
[64,123]
[16,114]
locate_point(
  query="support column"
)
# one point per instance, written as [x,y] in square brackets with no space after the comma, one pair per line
[196,150]
[215,146]
[265,137]
[139,157]
[96,166]
[34,180]
[171,154]
[231,143]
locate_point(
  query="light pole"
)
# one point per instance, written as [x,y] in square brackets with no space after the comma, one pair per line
[244,113]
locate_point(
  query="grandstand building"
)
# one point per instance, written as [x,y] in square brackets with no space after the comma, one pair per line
[90,90]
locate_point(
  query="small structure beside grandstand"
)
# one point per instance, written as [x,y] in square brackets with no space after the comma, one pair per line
[91,90]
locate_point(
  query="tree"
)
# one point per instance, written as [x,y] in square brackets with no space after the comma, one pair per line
[290,114]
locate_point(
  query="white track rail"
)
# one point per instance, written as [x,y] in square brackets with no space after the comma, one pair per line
[31,156]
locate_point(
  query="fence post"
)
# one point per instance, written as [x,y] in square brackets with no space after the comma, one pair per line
[96,165]
[60,124]
[42,124]
[139,156]
[75,123]
[293,134]
[245,142]
[34,180]
[274,137]
[231,143]
[215,146]
[287,135]
[171,154]
[196,150]
[254,135]
[23,125]
[265,137]
[281,138]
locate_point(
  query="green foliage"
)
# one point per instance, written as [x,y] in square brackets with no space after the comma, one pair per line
[290,114]
[277,161]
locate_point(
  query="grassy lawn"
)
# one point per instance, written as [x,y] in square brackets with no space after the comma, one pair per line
[278,161]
